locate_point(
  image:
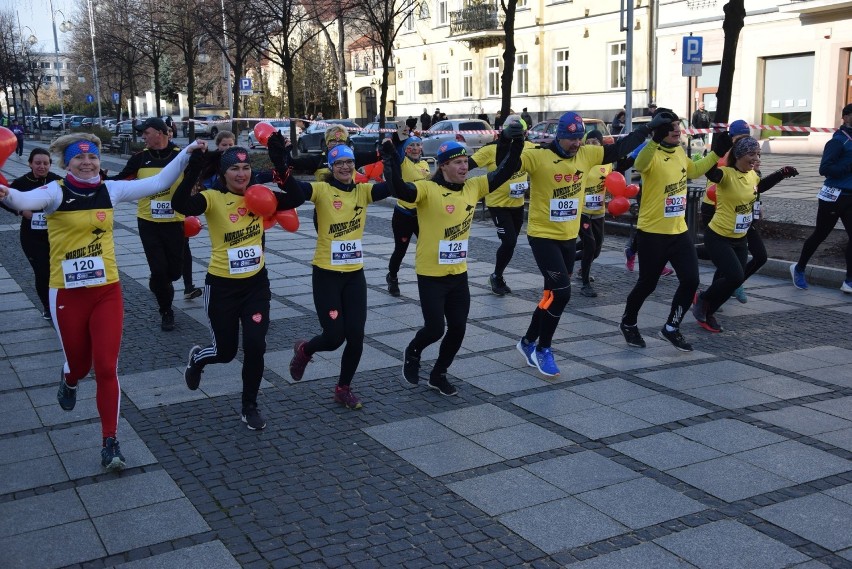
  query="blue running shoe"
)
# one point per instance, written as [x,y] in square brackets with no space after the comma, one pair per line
[798,278]
[545,363]
[740,294]
[527,349]
[111,457]
[846,287]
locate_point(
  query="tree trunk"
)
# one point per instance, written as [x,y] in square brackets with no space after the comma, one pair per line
[508,58]
[341,71]
[734,21]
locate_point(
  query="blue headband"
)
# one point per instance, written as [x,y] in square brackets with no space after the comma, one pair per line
[80,147]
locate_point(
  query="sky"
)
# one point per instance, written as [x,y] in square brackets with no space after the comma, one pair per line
[36,15]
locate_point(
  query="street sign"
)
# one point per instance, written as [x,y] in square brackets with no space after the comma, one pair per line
[691,70]
[245,86]
[90,99]
[692,47]
[116,97]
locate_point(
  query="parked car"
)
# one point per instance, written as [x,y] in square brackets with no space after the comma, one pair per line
[207,125]
[313,139]
[545,131]
[690,146]
[87,122]
[56,121]
[473,134]
[45,122]
[364,142]
[124,127]
[283,127]
[109,123]
[76,121]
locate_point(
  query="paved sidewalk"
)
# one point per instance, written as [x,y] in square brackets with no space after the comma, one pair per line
[734,455]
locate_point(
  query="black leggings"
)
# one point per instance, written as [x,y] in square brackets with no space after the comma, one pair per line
[729,255]
[36,247]
[340,299]
[590,244]
[555,260]
[164,245]
[508,221]
[187,267]
[404,225]
[755,243]
[230,303]
[657,249]
[827,215]
[444,301]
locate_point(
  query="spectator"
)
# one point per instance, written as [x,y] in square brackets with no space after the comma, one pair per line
[700,119]
[618,122]
[527,117]
[498,121]
[437,116]
[425,120]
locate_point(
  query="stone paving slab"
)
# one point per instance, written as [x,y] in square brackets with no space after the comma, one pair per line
[212,555]
[819,518]
[71,543]
[666,451]
[40,512]
[730,479]
[506,491]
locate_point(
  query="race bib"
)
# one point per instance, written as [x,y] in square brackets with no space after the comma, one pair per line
[594,201]
[755,211]
[244,259]
[828,194]
[38,221]
[452,252]
[742,222]
[518,190]
[161,209]
[347,252]
[86,271]
[564,209]
[675,206]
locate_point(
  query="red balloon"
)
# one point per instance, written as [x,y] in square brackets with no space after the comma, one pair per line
[711,193]
[191,226]
[615,183]
[618,206]
[268,223]
[262,130]
[361,178]
[260,200]
[8,144]
[375,171]
[289,219]
[631,191]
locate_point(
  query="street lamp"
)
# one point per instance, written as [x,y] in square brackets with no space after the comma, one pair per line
[95,60]
[80,77]
[203,57]
[64,27]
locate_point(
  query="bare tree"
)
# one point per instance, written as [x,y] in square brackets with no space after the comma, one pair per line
[508,56]
[325,14]
[33,79]
[733,24]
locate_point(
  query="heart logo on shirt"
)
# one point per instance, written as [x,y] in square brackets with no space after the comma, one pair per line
[557,177]
[451,208]
[101,215]
[257,317]
[603,170]
[576,177]
[337,204]
[242,211]
[333,314]
[234,217]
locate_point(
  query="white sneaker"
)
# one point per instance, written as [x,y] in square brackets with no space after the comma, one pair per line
[846,287]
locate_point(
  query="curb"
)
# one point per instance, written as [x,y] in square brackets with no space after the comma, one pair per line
[816,274]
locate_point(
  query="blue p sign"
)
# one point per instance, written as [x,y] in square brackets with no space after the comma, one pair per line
[692,48]
[116,97]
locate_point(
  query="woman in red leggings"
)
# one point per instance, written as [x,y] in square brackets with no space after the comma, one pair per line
[85,295]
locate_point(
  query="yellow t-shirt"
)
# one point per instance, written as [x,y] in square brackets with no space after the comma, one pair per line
[664,174]
[80,231]
[556,190]
[340,226]
[158,208]
[445,217]
[593,186]
[411,172]
[235,236]
[705,198]
[735,197]
[513,192]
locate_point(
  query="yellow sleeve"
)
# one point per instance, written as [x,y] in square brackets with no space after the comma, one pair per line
[646,156]
[697,169]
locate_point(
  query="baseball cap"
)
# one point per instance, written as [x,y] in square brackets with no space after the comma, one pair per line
[155,123]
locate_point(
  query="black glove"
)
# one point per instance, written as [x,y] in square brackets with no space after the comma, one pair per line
[513,131]
[278,152]
[661,131]
[661,117]
[788,171]
[390,160]
[722,143]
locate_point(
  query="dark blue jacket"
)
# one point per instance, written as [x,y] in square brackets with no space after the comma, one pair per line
[836,163]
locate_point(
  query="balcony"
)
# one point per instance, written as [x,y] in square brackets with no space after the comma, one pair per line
[479,25]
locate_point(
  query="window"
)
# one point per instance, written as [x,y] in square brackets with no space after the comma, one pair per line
[787,102]
[467,79]
[522,74]
[492,67]
[560,80]
[408,23]
[521,4]
[443,14]
[423,11]
[444,81]
[617,58]
[410,85]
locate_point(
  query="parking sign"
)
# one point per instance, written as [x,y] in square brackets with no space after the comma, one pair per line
[245,86]
[116,96]
[692,48]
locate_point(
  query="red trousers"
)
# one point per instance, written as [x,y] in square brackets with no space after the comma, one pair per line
[89,322]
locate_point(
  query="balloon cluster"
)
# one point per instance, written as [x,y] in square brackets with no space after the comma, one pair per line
[262,202]
[621,192]
[262,131]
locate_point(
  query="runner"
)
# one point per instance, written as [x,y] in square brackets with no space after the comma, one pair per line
[339,285]
[556,193]
[835,201]
[404,220]
[661,229]
[236,292]
[33,233]
[446,204]
[85,295]
[506,206]
[738,186]
[592,219]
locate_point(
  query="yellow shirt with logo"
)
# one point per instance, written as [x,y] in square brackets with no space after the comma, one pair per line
[556,190]
[411,172]
[158,207]
[735,197]
[445,218]
[341,217]
[664,192]
[512,193]
[594,203]
[235,236]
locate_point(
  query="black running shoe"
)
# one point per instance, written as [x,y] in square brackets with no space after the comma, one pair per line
[498,285]
[439,382]
[253,419]
[588,290]
[67,395]
[632,335]
[167,323]
[191,293]
[46,315]
[393,285]
[410,366]
[676,338]
[193,371]
[111,457]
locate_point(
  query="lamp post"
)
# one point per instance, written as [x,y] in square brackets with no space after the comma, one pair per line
[95,60]
[64,27]
[31,40]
